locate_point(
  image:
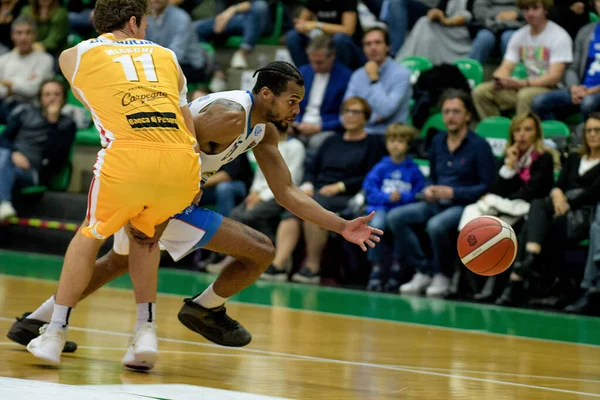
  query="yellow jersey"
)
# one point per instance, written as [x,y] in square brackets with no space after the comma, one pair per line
[131,87]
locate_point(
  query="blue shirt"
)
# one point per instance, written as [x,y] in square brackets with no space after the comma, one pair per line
[387,177]
[592,76]
[389,98]
[173,30]
[470,170]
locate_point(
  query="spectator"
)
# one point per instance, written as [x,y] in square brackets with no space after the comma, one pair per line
[81,17]
[391,13]
[557,220]
[393,182]
[226,188]
[52,25]
[338,18]
[407,13]
[462,170]
[23,69]
[382,82]
[494,22]
[582,79]
[544,48]
[589,301]
[441,36]
[35,145]
[332,179]
[571,14]
[325,81]
[251,19]
[171,27]
[9,10]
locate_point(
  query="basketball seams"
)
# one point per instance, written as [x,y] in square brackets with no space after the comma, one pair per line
[480,226]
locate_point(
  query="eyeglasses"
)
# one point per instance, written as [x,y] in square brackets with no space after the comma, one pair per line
[351,111]
[589,131]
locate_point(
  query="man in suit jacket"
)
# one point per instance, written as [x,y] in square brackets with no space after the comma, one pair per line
[325,81]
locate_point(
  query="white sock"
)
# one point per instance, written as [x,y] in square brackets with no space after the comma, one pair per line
[146,312]
[209,299]
[44,312]
[60,317]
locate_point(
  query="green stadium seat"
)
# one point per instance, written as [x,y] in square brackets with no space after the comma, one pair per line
[435,121]
[234,42]
[88,137]
[555,129]
[495,130]
[2,129]
[594,17]
[424,166]
[416,65]
[520,72]
[471,69]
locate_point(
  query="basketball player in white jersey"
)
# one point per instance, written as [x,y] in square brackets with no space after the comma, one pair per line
[227,124]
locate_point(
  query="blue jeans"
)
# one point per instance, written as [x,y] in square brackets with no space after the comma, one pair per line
[545,105]
[11,176]
[485,42]
[346,51]
[79,22]
[374,254]
[441,225]
[224,195]
[404,14]
[250,25]
[591,275]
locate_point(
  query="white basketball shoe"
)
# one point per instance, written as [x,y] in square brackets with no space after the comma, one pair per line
[49,345]
[143,348]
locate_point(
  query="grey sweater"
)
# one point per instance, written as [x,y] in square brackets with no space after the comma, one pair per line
[485,11]
[576,71]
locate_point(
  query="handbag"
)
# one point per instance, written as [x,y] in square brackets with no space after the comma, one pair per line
[578,221]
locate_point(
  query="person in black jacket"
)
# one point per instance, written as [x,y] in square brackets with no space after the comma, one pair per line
[35,145]
[332,179]
[559,219]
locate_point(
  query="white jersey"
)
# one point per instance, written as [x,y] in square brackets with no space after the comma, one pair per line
[180,237]
[247,139]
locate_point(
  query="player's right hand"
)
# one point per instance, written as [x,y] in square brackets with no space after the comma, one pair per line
[197,198]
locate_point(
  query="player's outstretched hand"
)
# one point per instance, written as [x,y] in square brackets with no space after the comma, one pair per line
[359,232]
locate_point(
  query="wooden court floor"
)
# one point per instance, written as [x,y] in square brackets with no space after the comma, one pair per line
[299,354]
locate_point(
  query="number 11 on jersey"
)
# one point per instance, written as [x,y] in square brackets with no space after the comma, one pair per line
[130,69]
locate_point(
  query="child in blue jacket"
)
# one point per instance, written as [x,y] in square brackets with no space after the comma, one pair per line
[392,182]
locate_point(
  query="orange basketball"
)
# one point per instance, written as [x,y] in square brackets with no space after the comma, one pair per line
[487,245]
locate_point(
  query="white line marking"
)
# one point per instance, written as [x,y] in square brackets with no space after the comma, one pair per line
[343,362]
[354,317]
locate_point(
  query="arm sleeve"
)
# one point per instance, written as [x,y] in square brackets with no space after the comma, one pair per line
[386,103]
[372,186]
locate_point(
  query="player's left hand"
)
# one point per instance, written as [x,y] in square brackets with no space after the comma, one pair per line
[359,232]
[197,198]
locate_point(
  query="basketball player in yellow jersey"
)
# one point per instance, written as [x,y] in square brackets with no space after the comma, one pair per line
[147,171]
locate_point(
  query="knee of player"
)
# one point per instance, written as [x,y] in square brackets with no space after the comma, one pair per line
[265,251]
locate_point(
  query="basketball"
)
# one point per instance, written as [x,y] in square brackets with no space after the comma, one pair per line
[487,245]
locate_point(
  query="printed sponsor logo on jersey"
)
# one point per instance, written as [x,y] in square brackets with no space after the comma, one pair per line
[129,98]
[257,130]
[152,120]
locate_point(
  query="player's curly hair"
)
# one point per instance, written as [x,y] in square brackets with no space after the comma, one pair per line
[276,76]
[111,15]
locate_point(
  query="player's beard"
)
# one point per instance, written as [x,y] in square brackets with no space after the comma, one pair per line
[280,124]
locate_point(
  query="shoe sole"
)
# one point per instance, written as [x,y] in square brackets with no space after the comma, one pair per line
[274,278]
[144,360]
[43,357]
[190,322]
[301,279]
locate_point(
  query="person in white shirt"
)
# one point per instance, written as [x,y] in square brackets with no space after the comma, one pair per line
[23,69]
[543,47]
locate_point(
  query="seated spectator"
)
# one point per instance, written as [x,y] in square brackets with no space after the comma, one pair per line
[558,220]
[462,170]
[571,14]
[337,174]
[543,47]
[250,19]
[391,12]
[338,18]
[382,82]
[225,189]
[325,81]
[441,36]
[589,301]
[494,22]
[525,174]
[35,145]
[81,17]
[393,182]
[582,80]
[52,22]
[23,69]
[406,14]
[9,11]
[171,27]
